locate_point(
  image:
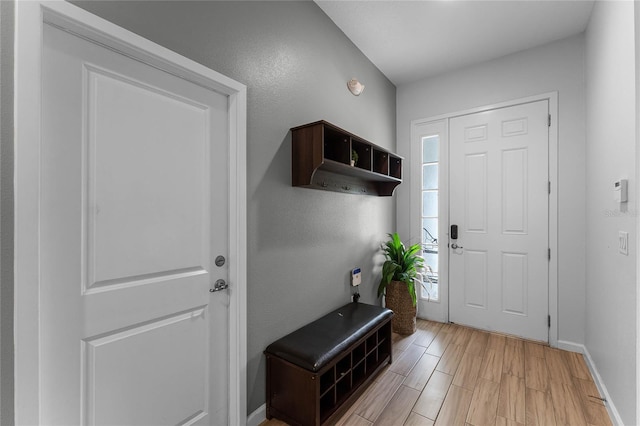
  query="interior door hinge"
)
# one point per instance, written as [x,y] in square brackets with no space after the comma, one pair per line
[549,187]
[549,321]
[549,253]
[549,120]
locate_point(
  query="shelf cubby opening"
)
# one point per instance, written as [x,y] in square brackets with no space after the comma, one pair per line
[364,151]
[395,167]
[337,146]
[380,162]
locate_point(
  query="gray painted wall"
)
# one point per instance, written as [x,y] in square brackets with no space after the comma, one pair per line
[295,62]
[6,212]
[611,155]
[558,67]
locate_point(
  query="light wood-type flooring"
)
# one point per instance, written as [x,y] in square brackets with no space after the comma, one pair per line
[446,374]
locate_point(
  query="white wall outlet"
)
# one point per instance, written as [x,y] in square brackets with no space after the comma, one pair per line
[356,276]
[623,242]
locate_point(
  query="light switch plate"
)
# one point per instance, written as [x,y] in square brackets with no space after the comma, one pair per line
[623,242]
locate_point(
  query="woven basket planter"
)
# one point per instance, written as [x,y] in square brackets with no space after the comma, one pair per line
[398,299]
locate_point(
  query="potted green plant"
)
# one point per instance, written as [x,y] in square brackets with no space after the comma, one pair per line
[400,272]
[354,157]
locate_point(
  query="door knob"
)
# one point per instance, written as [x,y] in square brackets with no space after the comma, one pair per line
[219,285]
[455,246]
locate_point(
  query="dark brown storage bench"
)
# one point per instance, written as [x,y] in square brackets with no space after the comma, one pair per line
[316,372]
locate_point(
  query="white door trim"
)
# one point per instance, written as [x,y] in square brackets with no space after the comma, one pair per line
[552,97]
[30,16]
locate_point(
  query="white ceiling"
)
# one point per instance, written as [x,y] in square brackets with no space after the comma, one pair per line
[412,40]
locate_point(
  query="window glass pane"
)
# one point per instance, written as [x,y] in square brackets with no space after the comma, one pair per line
[430,149]
[430,203]
[430,290]
[431,260]
[430,176]
[430,232]
[430,277]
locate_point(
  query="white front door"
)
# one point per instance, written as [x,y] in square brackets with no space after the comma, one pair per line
[499,174]
[133,212]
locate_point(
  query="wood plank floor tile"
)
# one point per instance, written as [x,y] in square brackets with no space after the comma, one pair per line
[491,368]
[376,397]
[577,365]
[273,422]
[463,336]
[533,350]
[398,409]
[400,342]
[455,407]
[515,341]
[587,389]
[537,374]
[425,335]
[416,419]
[432,397]
[450,359]
[514,382]
[566,404]
[596,414]
[356,420]
[496,342]
[484,403]
[420,373]
[440,343]
[558,368]
[593,408]
[467,372]
[501,421]
[539,408]
[513,359]
[405,362]
[447,327]
[478,343]
[511,402]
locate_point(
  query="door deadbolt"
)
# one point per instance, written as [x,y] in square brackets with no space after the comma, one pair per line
[220,261]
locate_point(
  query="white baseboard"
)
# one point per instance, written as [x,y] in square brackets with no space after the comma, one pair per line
[570,346]
[611,408]
[258,416]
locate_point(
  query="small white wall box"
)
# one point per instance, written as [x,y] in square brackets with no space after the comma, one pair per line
[356,276]
[620,190]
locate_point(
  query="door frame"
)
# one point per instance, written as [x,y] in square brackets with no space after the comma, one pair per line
[416,125]
[30,17]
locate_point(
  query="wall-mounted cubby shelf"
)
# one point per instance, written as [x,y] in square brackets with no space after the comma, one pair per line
[321,159]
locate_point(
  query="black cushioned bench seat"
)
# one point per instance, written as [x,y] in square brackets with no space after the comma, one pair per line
[314,345]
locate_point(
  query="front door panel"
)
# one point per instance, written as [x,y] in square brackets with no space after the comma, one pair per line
[498,274]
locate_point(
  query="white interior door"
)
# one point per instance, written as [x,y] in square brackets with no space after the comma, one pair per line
[133,210]
[499,198]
